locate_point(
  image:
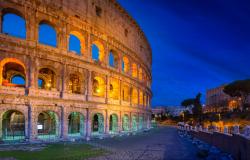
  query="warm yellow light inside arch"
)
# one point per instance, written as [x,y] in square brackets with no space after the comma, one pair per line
[126,64]
[114,88]
[99,89]
[134,70]
[9,60]
[134,96]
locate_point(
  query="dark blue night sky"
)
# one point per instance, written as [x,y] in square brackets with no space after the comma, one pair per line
[196,44]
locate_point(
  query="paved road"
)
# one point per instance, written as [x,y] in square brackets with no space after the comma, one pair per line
[159,144]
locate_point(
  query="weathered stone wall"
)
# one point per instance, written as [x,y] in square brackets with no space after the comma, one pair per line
[235,144]
[78,17]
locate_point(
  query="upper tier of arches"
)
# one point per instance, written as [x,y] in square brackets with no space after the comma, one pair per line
[14,24]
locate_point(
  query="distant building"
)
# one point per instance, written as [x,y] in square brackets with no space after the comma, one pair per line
[158,110]
[177,110]
[218,101]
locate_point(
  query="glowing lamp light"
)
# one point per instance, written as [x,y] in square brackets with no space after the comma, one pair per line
[48,85]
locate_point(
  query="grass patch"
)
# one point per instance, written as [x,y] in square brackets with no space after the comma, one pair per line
[56,152]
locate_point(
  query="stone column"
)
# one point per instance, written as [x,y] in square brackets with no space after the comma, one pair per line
[64,81]
[88,50]
[120,91]
[64,123]
[120,122]
[31,26]
[89,85]
[130,121]
[32,120]
[107,88]
[106,119]
[88,125]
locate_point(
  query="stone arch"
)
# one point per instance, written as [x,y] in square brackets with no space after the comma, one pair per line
[114,88]
[141,97]
[20,16]
[134,122]
[14,69]
[98,123]
[113,59]
[20,108]
[126,92]
[134,95]
[75,83]
[53,30]
[76,124]
[80,38]
[101,51]
[125,64]
[113,123]
[48,124]
[140,122]
[47,78]
[125,122]
[134,70]
[99,86]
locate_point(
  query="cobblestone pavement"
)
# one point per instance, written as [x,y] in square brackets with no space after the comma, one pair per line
[159,144]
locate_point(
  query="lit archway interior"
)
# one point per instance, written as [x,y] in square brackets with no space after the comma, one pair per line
[75,124]
[113,123]
[98,86]
[125,92]
[13,125]
[13,74]
[114,88]
[74,85]
[140,122]
[134,70]
[125,123]
[47,125]
[125,64]
[134,96]
[134,123]
[98,124]
[46,79]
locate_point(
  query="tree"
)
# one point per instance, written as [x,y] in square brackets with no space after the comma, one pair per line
[239,89]
[195,105]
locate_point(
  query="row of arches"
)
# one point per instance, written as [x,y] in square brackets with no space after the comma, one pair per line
[14,24]
[13,73]
[48,125]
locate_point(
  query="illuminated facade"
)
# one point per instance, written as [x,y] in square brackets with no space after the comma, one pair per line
[49,90]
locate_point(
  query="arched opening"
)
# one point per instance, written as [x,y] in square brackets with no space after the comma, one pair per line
[74,84]
[75,124]
[47,34]
[140,74]
[140,122]
[125,64]
[48,125]
[134,70]
[13,126]
[134,96]
[134,123]
[46,79]
[125,92]
[13,73]
[113,59]
[97,51]
[98,86]
[97,124]
[141,97]
[14,25]
[113,123]
[125,123]
[114,88]
[74,44]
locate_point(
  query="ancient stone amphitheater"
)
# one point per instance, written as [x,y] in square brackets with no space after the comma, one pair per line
[50,90]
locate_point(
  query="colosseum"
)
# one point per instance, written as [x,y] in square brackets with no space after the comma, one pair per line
[52,91]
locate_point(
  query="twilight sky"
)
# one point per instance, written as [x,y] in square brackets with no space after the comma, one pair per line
[196,44]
